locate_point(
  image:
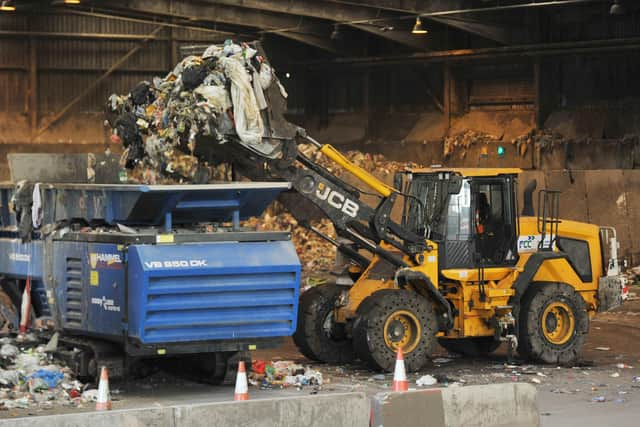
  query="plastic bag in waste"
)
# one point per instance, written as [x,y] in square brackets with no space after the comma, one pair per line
[141,94]
[426,380]
[193,76]
[9,351]
[9,378]
[216,96]
[51,377]
[90,396]
[249,126]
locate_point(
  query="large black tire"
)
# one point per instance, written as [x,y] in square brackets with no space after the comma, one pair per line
[389,319]
[472,347]
[317,336]
[553,324]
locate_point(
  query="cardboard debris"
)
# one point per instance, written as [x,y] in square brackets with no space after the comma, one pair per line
[541,139]
[316,255]
[463,140]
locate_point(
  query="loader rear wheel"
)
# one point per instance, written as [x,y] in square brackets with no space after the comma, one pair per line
[553,324]
[472,347]
[390,319]
[318,336]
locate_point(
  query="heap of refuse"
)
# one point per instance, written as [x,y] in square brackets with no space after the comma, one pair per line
[168,126]
[284,374]
[31,379]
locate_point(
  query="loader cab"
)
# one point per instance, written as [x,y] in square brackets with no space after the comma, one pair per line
[471,214]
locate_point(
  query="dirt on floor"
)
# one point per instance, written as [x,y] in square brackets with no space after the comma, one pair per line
[605,384]
[609,370]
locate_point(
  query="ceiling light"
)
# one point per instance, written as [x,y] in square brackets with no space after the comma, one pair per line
[336,34]
[63,2]
[617,8]
[417,28]
[7,6]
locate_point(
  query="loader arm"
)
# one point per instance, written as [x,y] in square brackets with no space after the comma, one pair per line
[365,225]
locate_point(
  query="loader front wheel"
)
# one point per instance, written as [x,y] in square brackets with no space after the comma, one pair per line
[390,319]
[553,324]
[318,336]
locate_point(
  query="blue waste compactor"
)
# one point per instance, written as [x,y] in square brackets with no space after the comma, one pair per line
[128,273]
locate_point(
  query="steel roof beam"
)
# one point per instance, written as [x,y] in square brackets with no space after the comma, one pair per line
[308,31]
[357,17]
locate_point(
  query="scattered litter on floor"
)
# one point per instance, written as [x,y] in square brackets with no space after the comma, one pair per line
[599,399]
[603,348]
[31,378]
[283,374]
[426,380]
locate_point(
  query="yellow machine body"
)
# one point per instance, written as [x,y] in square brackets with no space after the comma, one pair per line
[461,286]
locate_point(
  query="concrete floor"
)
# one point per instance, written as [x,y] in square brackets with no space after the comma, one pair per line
[565,393]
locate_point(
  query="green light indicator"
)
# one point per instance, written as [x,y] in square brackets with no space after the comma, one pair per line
[500,150]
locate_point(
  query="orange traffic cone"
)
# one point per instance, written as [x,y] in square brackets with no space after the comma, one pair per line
[25,307]
[242,388]
[104,398]
[400,382]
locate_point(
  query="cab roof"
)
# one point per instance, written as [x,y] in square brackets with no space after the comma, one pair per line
[469,171]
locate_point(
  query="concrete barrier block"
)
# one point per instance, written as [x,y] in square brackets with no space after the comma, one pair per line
[494,405]
[414,408]
[154,417]
[335,410]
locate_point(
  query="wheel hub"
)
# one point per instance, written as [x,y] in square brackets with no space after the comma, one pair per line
[402,329]
[551,322]
[396,331]
[558,323]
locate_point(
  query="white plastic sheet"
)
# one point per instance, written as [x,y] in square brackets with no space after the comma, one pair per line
[246,113]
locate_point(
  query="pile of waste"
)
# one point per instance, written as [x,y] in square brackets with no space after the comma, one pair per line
[543,139]
[203,100]
[283,374]
[464,140]
[30,378]
[376,164]
[316,254]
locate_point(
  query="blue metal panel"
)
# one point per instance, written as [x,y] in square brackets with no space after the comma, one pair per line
[212,291]
[19,259]
[39,297]
[71,277]
[150,204]
[106,289]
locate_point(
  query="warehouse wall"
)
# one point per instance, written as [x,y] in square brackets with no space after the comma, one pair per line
[593,99]
[65,67]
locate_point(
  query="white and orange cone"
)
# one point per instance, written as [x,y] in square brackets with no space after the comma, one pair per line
[242,387]
[400,382]
[104,398]
[25,307]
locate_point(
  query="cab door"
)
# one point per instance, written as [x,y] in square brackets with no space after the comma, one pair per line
[494,221]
